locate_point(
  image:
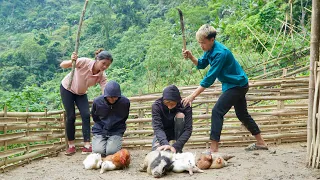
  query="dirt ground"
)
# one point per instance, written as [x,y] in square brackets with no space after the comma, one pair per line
[286,161]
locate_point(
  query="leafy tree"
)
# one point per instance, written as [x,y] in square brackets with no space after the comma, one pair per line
[33,53]
[144,37]
[12,78]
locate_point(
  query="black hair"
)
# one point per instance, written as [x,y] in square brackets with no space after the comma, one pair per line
[101,54]
[212,35]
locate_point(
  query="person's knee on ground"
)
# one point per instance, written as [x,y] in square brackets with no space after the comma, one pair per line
[180,115]
[114,144]
[99,144]
[99,148]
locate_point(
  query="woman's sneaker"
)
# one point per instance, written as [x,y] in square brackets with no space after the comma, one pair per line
[70,151]
[86,150]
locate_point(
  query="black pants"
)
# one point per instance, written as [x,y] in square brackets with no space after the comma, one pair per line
[232,97]
[68,100]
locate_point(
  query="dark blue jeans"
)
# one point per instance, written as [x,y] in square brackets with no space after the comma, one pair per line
[232,97]
[106,145]
[68,100]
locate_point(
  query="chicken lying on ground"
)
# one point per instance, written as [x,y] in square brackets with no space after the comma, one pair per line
[213,161]
[92,161]
[119,160]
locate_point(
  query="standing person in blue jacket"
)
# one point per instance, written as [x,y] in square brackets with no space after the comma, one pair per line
[234,86]
[110,112]
[171,121]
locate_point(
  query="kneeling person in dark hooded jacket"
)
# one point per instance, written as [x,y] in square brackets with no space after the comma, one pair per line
[110,112]
[171,121]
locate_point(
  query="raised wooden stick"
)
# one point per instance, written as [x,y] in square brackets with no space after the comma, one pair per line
[76,47]
[183,34]
[182,29]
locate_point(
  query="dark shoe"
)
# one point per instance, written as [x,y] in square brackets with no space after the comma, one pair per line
[70,151]
[86,150]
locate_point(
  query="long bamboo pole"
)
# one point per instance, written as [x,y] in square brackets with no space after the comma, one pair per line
[314,122]
[279,58]
[76,48]
[259,41]
[317,155]
[314,57]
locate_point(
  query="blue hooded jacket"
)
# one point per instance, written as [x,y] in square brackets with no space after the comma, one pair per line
[110,119]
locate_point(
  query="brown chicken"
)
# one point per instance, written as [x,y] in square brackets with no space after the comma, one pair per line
[204,162]
[213,161]
[120,159]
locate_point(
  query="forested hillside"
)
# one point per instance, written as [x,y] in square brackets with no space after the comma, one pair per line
[144,37]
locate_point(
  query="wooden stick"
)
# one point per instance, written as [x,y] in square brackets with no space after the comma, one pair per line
[184,43]
[76,48]
[292,29]
[279,58]
[182,29]
[298,71]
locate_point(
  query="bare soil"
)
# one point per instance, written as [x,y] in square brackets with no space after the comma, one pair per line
[286,161]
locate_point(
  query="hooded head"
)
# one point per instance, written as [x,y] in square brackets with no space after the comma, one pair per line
[112,89]
[171,93]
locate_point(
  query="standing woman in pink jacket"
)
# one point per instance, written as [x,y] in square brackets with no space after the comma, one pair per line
[87,73]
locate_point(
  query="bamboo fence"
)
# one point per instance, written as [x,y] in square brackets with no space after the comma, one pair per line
[279,106]
[25,136]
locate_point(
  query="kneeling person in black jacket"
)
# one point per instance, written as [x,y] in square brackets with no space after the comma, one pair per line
[110,112]
[171,121]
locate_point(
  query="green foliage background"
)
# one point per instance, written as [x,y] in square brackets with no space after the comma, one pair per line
[144,37]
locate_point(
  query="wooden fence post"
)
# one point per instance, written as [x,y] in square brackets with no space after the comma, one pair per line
[314,57]
[140,115]
[280,105]
[5,129]
[315,121]
[284,72]
[45,115]
[61,122]
[65,129]
[317,156]
[27,134]
[207,124]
